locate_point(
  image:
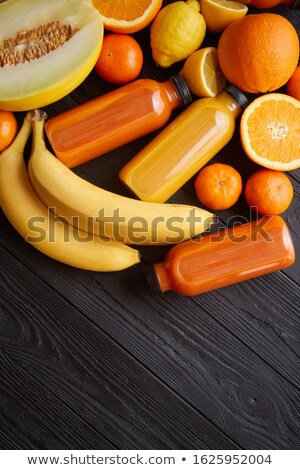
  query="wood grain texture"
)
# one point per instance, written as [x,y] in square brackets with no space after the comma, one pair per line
[80,368]
[191,345]
[91,360]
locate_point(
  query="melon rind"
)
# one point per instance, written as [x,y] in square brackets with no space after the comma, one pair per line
[49,78]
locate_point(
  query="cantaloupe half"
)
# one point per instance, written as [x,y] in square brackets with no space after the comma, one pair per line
[47,48]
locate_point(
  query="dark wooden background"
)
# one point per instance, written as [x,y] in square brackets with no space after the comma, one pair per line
[92,361]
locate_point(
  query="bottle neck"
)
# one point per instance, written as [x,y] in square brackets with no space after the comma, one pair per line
[172,94]
[234,108]
[162,276]
[157,278]
[179,86]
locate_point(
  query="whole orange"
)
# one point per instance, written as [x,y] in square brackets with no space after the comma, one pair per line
[259,53]
[269,192]
[293,85]
[8,129]
[218,186]
[120,60]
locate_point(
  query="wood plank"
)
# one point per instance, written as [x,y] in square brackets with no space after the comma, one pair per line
[92,360]
[234,384]
[68,374]
[10,436]
[34,415]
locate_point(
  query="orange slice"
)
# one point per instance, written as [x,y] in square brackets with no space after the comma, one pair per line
[127,16]
[270,131]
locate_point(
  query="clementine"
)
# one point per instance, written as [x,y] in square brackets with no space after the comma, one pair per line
[8,129]
[120,60]
[269,192]
[259,52]
[293,85]
[218,186]
[127,16]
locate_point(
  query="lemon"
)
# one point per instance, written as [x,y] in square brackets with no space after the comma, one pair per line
[220,13]
[202,72]
[176,32]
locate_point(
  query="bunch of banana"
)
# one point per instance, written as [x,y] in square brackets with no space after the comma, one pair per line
[75,222]
[100,212]
[38,226]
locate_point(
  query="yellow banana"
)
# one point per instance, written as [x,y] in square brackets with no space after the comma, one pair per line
[95,210]
[31,218]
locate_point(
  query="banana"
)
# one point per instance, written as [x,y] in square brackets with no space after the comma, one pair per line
[95,210]
[31,218]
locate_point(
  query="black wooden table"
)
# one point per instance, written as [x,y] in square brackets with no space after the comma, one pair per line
[92,361]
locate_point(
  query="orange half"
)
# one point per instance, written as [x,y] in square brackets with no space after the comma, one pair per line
[270,131]
[127,16]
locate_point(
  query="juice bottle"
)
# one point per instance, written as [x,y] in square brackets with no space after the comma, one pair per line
[184,146]
[223,258]
[114,119]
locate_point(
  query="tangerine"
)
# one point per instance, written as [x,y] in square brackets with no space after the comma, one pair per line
[259,53]
[269,192]
[218,186]
[120,60]
[8,129]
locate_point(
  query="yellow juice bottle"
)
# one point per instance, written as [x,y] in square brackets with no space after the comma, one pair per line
[184,146]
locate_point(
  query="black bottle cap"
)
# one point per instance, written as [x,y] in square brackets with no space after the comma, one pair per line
[152,280]
[239,97]
[182,89]
[296,5]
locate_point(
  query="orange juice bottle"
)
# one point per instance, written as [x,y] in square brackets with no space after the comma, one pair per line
[223,258]
[114,119]
[184,146]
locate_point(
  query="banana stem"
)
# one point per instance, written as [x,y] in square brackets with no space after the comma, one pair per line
[36,115]
[37,119]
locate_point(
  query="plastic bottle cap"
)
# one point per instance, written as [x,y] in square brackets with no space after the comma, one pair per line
[239,97]
[152,280]
[182,89]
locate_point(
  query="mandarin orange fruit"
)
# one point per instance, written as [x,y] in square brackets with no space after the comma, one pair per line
[120,60]
[8,129]
[269,192]
[259,53]
[218,186]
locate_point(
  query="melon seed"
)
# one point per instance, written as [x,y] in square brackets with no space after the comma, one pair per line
[31,44]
